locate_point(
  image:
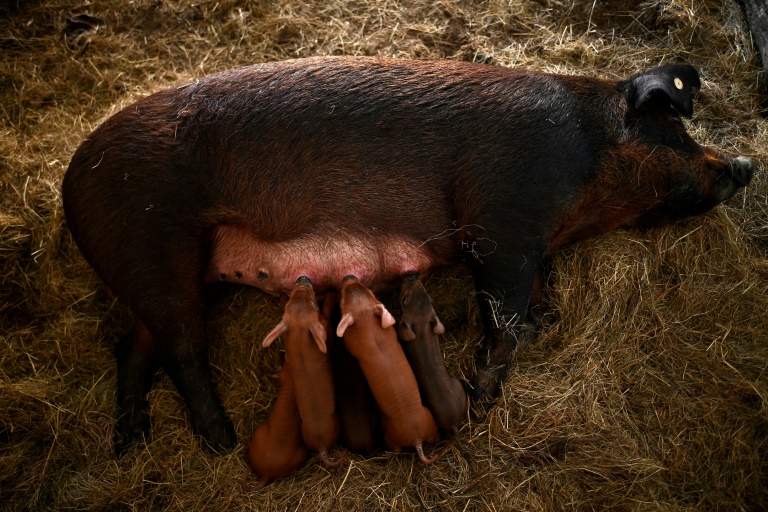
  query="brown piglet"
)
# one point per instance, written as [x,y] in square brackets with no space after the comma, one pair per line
[419,330]
[359,416]
[304,331]
[276,448]
[369,335]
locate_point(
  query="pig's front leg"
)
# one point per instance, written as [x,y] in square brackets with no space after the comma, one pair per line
[503,283]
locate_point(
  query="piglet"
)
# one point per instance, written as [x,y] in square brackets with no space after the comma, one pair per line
[359,417]
[276,448]
[305,349]
[419,330]
[369,335]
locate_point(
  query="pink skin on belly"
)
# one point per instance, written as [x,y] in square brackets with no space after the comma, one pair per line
[239,256]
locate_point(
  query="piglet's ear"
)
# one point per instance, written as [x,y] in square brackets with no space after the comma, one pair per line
[387,320]
[672,84]
[437,326]
[319,334]
[345,322]
[405,331]
[274,334]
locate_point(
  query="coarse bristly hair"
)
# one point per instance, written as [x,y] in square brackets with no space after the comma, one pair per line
[646,391]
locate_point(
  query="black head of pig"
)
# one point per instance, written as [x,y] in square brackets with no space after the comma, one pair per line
[686,178]
[650,170]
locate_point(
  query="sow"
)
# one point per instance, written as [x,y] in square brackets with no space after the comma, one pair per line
[334,166]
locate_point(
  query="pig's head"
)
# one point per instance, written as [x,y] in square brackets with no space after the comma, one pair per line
[685,178]
[650,169]
[358,301]
[301,315]
[417,311]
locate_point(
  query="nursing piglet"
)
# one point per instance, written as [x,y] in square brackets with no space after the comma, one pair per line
[369,335]
[359,416]
[419,329]
[304,331]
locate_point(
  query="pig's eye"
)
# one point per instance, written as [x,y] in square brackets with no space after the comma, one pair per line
[676,119]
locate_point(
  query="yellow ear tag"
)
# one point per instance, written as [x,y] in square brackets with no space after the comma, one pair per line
[678,84]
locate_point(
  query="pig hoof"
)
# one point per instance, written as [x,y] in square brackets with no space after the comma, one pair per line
[485,384]
[220,439]
[132,424]
[238,275]
[124,441]
[252,488]
[226,443]
[129,433]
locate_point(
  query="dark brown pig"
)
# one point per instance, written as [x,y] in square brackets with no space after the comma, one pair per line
[304,332]
[276,448]
[318,167]
[359,417]
[419,330]
[369,335]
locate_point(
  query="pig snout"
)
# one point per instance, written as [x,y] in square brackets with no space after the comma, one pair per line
[304,281]
[734,174]
[742,168]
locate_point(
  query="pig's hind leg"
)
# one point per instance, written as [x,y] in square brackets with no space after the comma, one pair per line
[182,350]
[168,298]
[136,367]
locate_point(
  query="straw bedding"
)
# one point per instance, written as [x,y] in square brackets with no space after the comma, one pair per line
[647,391]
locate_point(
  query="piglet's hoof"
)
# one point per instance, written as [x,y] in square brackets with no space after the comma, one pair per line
[486,383]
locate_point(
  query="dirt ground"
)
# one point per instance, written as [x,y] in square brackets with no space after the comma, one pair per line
[647,391]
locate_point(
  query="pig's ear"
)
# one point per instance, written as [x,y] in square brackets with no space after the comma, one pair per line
[274,334]
[405,331]
[437,325]
[673,84]
[387,319]
[345,322]
[319,334]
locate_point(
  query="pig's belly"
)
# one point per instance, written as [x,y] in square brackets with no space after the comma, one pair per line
[239,256]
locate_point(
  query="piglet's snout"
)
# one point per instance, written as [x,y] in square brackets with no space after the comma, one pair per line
[743,168]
